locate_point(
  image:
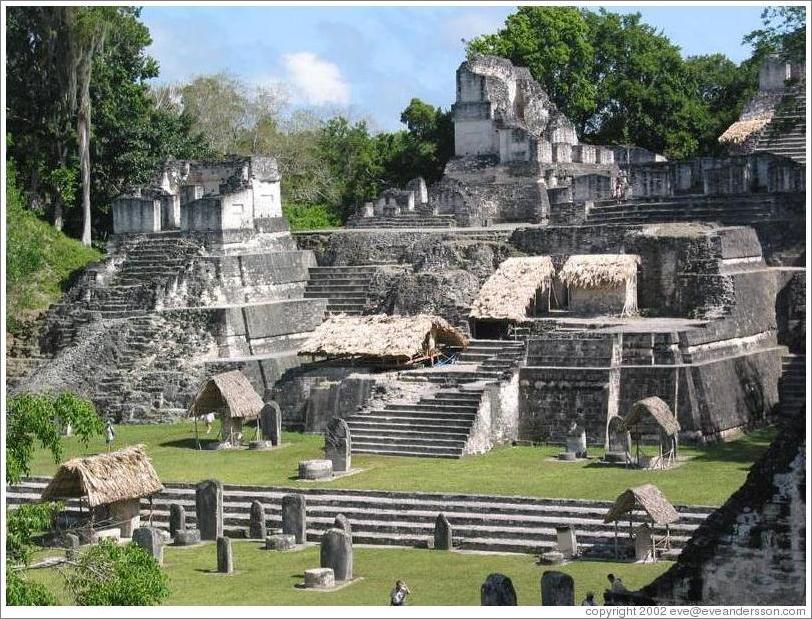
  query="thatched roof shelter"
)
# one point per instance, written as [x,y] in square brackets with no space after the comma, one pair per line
[742,130]
[230,394]
[647,497]
[105,478]
[380,337]
[652,408]
[603,271]
[507,293]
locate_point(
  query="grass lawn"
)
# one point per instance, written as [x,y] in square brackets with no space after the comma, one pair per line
[708,477]
[435,577]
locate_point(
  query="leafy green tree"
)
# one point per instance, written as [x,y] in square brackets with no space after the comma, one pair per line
[783,30]
[20,591]
[111,575]
[38,418]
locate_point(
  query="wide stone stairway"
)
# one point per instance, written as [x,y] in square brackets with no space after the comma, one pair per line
[405,220]
[786,133]
[346,288]
[438,425]
[383,518]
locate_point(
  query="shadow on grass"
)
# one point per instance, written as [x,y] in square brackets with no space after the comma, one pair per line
[189,443]
[745,450]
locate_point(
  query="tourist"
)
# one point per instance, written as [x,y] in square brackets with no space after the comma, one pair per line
[616,585]
[109,434]
[589,600]
[399,593]
[209,419]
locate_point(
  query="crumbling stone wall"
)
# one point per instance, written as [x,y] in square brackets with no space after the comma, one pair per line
[752,550]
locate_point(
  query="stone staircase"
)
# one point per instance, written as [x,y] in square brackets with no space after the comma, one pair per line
[785,135]
[383,518]
[438,425]
[346,288]
[404,220]
[731,209]
[792,384]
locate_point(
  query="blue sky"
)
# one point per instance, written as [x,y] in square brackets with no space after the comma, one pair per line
[370,61]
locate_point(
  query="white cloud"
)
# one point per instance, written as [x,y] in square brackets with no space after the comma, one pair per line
[314,80]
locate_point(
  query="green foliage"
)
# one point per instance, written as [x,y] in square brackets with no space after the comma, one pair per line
[40,260]
[622,82]
[23,525]
[311,216]
[111,575]
[21,591]
[38,418]
[783,31]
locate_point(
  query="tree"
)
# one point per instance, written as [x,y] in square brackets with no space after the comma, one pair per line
[112,575]
[783,32]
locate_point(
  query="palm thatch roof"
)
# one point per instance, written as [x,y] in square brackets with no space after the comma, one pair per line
[382,337]
[601,271]
[651,408]
[105,478]
[230,394]
[649,498]
[508,292]
[741,130]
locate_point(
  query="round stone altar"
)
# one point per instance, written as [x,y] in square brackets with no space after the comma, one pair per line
[316,469]
[319,578]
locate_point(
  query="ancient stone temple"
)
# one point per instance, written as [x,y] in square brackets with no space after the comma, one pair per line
[201,276]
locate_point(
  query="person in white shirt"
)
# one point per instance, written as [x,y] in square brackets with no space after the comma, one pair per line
[398,595]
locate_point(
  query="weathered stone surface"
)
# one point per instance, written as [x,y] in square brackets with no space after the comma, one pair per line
[497,590]
[149,538]
[177,519]
[336,553]
[338,445]
[342,523]
[225,556]
[187,537]
[566,541]
[294,516]
[280,542]
[209,509]
[552,557]
[443,536]
[557,589]
[72,544]
[319,578]
[271,422]
[316,469]
[576,441]
[257,527]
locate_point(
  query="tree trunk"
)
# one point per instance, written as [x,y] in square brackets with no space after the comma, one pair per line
[58,214]
[83,131]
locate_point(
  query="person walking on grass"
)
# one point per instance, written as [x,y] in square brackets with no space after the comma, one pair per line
[398,595]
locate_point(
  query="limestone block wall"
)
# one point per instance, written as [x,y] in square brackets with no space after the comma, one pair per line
[752,550]
[136,214]
[497,420]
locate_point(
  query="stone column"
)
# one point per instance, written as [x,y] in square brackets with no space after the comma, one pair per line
[294,517]
[342,523]
[336,553]
[271,423]
[149,539]
[209,509]
[177,519]
[257,528]
[225,556]
[443,537]
[338,445]
[497,590]
[557,589]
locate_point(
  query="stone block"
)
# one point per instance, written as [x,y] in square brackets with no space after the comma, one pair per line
[557,589]
[225,556]
[552,557]
[72,544]
[256,527]
[336,553]
[280,542]
[294,517]
[338,445]
[209,509]
[566,541]
[271,423]
[316,469]
[443,535]
[319,578]
[187,537]
[497,590]
[177,519]
[149,538]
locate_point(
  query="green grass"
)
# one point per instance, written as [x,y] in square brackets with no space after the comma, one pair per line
[40,260]
[436,578]
[708,476]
